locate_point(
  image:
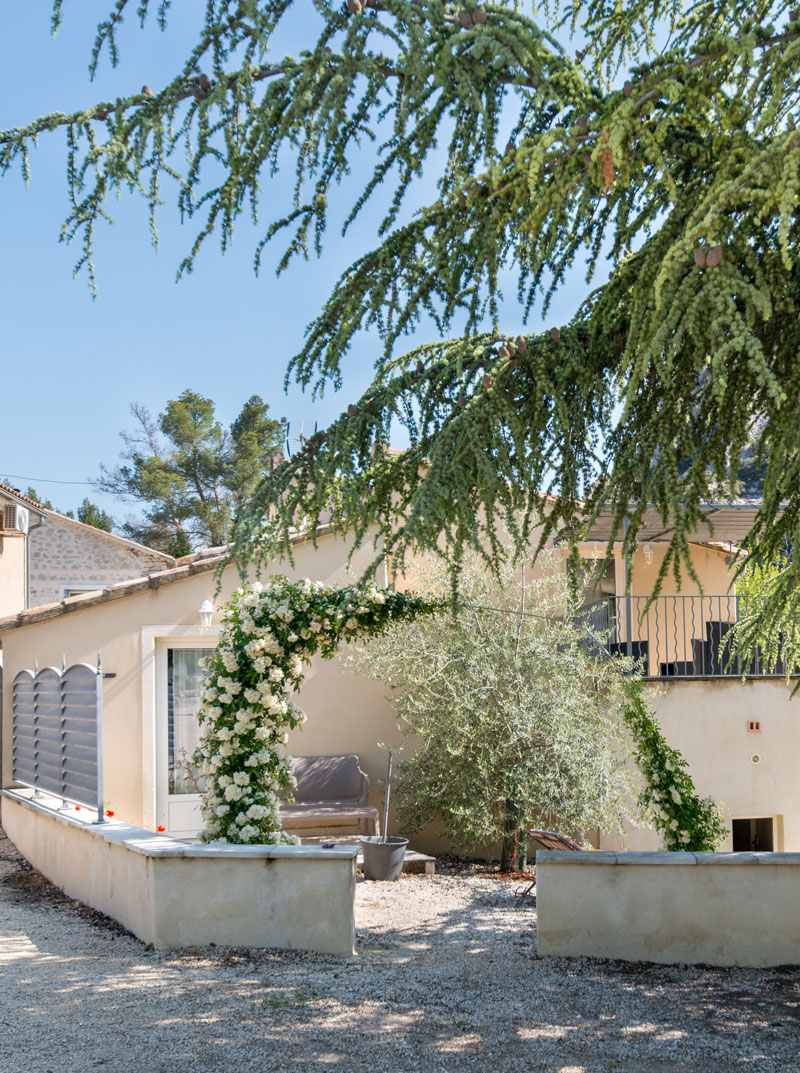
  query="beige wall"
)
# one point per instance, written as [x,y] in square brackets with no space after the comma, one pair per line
[710,564]
[12,573]
[175,895]
[708,908]
[706,720]
[346,713]
[64,552]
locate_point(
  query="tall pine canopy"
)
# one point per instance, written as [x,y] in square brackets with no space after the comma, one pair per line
[511,140]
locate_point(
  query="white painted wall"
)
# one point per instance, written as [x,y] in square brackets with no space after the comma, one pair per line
[706,720]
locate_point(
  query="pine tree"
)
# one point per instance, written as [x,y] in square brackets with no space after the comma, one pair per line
[190,475]
[667,142]
[31,493]
[89,513]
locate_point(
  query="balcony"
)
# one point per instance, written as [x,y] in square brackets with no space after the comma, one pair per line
[676,636]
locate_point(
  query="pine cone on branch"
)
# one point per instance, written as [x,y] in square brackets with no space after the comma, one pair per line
[714,257]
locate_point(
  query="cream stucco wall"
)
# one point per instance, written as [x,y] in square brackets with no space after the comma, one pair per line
[710,564]
[707,721]
[12,574]
[346,713]
[66,553]
[709,908]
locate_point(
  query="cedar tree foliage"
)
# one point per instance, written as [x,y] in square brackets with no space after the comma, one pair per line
[667,142]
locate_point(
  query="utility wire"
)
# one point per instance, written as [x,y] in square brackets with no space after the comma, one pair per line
[42,480]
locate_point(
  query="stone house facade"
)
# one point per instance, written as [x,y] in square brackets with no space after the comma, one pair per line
[46,557]
[68,557]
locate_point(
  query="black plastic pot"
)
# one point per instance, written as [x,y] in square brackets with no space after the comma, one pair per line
[383,860]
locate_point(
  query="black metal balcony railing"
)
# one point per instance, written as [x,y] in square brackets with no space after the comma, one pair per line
[676,636]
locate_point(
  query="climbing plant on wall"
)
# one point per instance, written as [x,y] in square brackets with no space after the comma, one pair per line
[269,633]
[668,797]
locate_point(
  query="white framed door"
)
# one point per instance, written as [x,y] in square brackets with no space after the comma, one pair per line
[179,692]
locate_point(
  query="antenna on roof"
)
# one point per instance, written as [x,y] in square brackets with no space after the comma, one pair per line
[297,435]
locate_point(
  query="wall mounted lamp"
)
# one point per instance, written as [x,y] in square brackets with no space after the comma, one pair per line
[648,553]
[206,611]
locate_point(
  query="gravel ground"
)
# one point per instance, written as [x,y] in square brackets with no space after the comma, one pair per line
[447,978]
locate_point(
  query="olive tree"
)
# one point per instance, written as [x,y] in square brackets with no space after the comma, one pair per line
[514,720]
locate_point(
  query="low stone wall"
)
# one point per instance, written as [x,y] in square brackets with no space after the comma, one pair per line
[174,894]
[699,908]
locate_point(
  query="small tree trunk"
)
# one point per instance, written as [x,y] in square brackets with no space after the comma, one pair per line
[522,851]
[514,854]
[508,855]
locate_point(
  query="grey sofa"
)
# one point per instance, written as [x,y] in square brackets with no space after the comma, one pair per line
[331,798]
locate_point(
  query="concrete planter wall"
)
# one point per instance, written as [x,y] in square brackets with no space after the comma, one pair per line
[713,908]
[174,894]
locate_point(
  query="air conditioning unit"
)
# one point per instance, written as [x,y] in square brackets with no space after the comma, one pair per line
[15,519]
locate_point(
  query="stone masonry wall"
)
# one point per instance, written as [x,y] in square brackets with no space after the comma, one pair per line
[66,553]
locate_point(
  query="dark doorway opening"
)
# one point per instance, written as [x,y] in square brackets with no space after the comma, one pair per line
[753,836]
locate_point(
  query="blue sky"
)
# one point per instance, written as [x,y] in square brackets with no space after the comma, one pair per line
[72,366]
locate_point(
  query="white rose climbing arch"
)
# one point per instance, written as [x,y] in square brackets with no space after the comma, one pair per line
[269,633]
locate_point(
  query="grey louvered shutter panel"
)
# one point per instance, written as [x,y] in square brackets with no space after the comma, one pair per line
[79,723]
[23,752]
[47,729]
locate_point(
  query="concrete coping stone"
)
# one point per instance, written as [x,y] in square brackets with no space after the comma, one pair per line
[664,857]
[778,858]
[152,844]
[659,857]
[565,856]
[294,853]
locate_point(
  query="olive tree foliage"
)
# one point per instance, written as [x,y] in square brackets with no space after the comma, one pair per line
[514,722]
[658,133]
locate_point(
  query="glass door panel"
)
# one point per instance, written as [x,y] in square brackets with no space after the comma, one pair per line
[184,682]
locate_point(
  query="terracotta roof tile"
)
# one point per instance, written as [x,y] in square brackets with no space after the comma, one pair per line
[6,489]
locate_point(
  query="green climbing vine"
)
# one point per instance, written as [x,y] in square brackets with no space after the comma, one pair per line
[684,820]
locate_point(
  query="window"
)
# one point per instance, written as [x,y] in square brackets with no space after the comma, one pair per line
[753,835]
[78,590]
[171,684]
[184,696]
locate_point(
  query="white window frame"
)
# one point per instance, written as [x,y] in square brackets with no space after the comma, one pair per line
[155,641]
[65,587]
